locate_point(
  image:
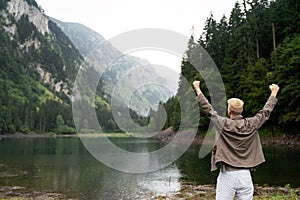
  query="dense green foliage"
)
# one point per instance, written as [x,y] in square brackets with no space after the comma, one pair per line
[32,3]
[247,53]
[37,73]
[3,4]
[257,46]
[27,105]
[28,101]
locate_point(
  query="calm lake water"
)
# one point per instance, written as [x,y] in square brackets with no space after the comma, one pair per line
[64,165]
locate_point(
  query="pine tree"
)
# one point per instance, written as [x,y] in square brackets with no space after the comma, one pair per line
[288,78]
[236,57]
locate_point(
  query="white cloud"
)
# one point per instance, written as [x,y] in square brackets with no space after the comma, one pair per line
[112,17]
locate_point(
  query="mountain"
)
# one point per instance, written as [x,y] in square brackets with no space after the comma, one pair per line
[99,53]
[39,64]
[50,53]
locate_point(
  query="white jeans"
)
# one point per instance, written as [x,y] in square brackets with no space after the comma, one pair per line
[232,184]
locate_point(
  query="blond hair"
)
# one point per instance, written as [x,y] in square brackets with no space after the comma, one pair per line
[235,105]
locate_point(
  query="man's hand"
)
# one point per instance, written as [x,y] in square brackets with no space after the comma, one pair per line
[274,89]
[196,85]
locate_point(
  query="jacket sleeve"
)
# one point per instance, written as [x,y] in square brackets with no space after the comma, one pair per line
[210,112]
[263,115]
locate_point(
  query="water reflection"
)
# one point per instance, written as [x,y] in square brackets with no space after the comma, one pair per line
[163,182]
[64,165]
[120,185]
[136,156]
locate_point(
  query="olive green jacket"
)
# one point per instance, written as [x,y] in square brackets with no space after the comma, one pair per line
[237,141]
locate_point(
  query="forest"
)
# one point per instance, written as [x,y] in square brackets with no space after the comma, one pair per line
[37,74]
[258,45]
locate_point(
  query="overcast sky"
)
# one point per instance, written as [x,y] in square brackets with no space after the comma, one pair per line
[113,17]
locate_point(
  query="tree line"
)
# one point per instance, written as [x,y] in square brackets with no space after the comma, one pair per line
[258,45]
[27,102]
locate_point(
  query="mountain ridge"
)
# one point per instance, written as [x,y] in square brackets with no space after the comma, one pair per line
[39,64]
[113,66]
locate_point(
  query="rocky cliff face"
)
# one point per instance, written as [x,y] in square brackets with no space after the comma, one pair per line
[98,51]
[19,8]
[27,27]
[38,65]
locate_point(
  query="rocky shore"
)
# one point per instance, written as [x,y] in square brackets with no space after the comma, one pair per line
[286,141]
[207,192]
[23,193]
[188,191]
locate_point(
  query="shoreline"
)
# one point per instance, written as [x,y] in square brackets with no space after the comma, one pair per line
[187,191]
[197,192]
[280,141]
[48,135]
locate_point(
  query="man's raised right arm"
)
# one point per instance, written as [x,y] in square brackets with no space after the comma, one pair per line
[263,115]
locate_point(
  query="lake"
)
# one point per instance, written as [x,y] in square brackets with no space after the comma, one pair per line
[64,165]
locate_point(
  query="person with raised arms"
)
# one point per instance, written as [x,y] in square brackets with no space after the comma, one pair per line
[237,146]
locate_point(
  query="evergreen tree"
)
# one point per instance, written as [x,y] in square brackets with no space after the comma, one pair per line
[254,84]
[242,51]
[61,127]
[288,77]
[285,16]
[236,52]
